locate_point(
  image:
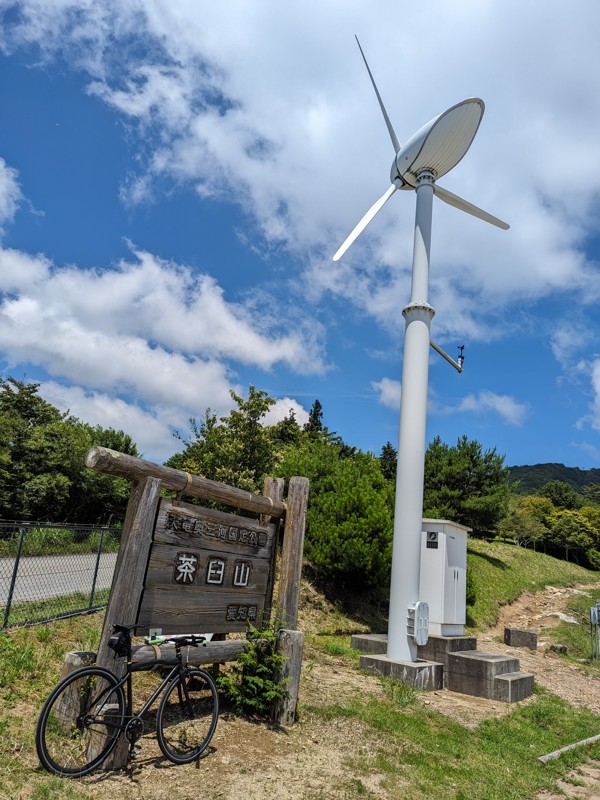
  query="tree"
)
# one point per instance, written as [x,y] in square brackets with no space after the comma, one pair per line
[571,531]
[42,461]
[522,526]
[315,419]
[561,494]
[591,494]
[287,431]
[350,516]
[466,485]
[388,461]
[235,449]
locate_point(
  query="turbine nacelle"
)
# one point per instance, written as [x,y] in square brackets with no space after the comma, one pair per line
[439,145]
[435,148]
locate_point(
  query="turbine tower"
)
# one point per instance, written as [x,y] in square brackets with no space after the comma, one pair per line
[429,154]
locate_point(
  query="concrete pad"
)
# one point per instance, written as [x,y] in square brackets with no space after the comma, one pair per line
[369,642]
[427,675]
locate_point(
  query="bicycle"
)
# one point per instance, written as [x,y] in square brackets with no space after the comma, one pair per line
[86,713]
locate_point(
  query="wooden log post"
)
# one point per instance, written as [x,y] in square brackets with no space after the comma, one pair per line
[209,653]
[127,584]
[105,460]
[290,642]
[272,488]
[290,645]
[291,555]
[130,567]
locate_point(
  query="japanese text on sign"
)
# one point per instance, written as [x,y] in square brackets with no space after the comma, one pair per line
[195,526]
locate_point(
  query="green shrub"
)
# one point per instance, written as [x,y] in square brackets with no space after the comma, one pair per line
[42,541]
[110,541]
[593,557]
[253,685]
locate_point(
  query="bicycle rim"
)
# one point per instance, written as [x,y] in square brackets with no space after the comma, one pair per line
[187,716]
[80,722]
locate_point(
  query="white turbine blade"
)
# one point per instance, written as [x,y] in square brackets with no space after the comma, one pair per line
[390,127]
[377,206]
[464,205]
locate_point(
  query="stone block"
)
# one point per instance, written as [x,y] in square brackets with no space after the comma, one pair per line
[513,687]
[516,637]
[438,649]
[369,642]
[474,672]
[426,675]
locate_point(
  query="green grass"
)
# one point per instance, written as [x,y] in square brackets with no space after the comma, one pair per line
[500,572]
[58,542]
[336,646]
[442,759]
[41,610]
[577,637]
[30,665]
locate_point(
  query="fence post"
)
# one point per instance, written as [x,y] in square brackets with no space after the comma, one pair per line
[96,568]
[13,580]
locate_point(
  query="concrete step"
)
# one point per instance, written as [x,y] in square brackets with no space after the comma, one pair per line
[438,648]
[488,675]
[513,686]
[452,662]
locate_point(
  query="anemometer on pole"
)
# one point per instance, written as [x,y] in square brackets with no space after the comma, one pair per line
[428,155]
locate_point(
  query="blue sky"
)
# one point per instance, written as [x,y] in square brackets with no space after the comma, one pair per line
[175,177]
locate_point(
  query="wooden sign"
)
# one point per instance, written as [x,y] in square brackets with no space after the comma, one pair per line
[208,571]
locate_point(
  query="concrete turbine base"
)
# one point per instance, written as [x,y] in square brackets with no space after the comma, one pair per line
[426,675]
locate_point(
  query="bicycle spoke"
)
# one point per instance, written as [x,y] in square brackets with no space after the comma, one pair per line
[187,716]
[80,722]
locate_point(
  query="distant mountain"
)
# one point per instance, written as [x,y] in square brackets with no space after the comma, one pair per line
[532,478]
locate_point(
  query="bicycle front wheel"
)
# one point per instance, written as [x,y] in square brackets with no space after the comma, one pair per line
[80,722]
[187,716]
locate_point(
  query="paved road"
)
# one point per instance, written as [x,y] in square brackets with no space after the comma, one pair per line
[41,577]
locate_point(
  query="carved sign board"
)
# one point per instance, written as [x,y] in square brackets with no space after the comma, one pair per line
[207,571]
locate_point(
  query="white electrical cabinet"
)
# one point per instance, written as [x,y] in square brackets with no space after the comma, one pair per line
[443,575]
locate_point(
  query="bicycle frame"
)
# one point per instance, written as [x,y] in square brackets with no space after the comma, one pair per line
[178,669]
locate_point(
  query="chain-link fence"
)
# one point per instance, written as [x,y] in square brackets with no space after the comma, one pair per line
[50,570]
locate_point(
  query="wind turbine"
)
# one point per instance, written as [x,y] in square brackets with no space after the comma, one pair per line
[429,154]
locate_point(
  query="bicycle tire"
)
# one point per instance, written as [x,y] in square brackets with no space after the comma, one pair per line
[80,722]
[183,736]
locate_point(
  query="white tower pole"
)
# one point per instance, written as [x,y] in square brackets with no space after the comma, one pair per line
[408,514]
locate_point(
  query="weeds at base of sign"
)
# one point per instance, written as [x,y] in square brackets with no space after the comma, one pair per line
[252,684]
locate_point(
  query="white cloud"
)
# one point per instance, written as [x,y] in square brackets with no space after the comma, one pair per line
[151,430]
[595,382]
[148,311]
[512,412]
[10,193]
[149,330]
[282,409]
[389,391]
[295,137]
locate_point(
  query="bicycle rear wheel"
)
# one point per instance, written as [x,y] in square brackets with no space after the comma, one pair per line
[80,722]
[187,716]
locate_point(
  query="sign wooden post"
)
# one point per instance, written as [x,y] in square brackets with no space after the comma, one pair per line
[130,567]
[182,568]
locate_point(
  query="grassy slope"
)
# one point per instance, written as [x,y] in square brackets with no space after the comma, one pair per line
[501,572]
